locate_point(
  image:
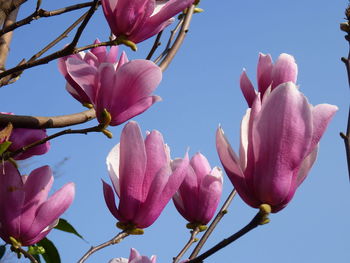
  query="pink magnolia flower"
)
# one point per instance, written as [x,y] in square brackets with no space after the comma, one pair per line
[21,137]
[26,213]
[94,58]
[134,257]
[121,87]
[200,192]
[279,142]
[268,74]
[138,20]
[141,174]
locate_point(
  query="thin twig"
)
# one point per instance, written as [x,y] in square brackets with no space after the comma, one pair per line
[97,128]
[170,40]
[40,13]
[188,245]
[346,136]
[32,122]
[180,38]
[113,241]
[259,219]
[58,39]
[69,49]
[219,216]
[156,44]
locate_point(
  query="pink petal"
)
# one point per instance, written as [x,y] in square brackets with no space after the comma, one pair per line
[281,139]
[321,116]
[247,88]
[157,157]
[136,109]
[36,189]
[284,70]
[151,208]
[84,76]
[163,187]
[132,169]
[23,137]
[129,85]
[50,210]
[306,166]
[264,72]
[113,167]
[12,197]
[232,167]
[110,201]
[209,196]
[131,15]
[200,166]
[186,198]
[134,254]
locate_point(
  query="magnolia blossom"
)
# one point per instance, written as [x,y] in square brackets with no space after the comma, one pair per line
[121,87]
[279,143]
[20,137]
[200,192]
[95,57]
[141,175]
[269,75]
[26,214]
[134,257]
[138,20]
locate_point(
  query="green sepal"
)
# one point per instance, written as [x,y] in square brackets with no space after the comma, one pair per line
[65,226]
[130,228]
[4,146]
[36,250]
[51,254]
[193,226]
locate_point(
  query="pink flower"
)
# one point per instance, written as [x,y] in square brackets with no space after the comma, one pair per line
[21,137]
[268,74]
[200,192]
[85,92]
[138,20]
[26,213]
[134,257]
[279,142]
[141,174]
[121,87]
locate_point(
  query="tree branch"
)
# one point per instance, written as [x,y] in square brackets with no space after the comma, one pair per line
[68,50]
[219,216]
[346,136]
[5,40]
[32,122]
[261,218]
[39,13]
[113,241]
[192,239]
[179,40]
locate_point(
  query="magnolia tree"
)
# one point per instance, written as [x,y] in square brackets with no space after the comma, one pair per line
[280,134]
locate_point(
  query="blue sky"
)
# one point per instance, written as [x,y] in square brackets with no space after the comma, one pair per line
[200,89]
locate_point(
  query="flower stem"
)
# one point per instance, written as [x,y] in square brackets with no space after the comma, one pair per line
[212,226]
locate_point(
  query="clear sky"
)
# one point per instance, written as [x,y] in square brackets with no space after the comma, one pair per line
[200,90]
